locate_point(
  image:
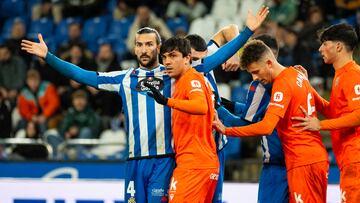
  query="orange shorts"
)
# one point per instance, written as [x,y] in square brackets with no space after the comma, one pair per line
[350,183]
[308,183]
[193,185]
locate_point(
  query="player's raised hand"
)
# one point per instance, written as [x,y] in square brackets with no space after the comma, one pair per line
[253,22]
[39,49]
[232,64]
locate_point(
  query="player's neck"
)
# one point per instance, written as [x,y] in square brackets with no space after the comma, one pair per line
[342,60]
[185,70]
[277,69]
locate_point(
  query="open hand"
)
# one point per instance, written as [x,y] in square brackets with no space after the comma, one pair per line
[39,49]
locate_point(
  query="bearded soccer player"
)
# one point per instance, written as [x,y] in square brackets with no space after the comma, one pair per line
[343,110]
[197,166]
[305,154]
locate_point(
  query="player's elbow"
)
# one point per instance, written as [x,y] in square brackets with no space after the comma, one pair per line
[201,110]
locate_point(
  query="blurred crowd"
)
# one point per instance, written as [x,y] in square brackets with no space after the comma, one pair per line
[37,102]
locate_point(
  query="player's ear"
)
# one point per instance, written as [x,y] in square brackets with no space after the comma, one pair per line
[268,62]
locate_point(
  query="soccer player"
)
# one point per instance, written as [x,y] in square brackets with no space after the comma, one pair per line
[305,155]
[150,163]
[273,185]
[343,110]
[199,49]
[150,153]
[197,166]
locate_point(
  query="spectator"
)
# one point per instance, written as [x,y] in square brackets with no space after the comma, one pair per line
[122,10]
[108,104]
[283,12]
[80,121]
[18,33]
[38,101]
[106,60]
[12,74]
[5,118]
[190,8]
[78,55]
[145,18]
[83,8]
[74,37]
[30,151]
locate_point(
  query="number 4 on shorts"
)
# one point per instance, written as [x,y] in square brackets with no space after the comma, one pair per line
[131,189]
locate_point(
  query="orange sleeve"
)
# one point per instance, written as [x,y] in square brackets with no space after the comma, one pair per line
[196,104]
[24,108]
[52,103]
[264,127]
[350,120]
[321,104]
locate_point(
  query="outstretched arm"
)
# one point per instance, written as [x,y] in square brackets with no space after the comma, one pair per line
[67,69]
[264,127]
[230,48]
[229,119]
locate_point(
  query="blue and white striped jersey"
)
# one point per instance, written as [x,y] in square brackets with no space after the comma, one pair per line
[148,123]
[257,101]
[212,47]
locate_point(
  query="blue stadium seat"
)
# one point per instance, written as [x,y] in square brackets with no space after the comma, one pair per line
[111,5]
[6,30]
[44,26]
[177,23]
[120,28]
[12,8]
[120,48]
[93,29]
[349,20]
[61,32]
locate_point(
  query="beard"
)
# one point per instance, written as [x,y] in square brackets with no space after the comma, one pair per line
[151,61]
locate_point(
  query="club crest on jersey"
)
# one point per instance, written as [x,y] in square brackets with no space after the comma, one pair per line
[278,96]
[156,82]
[357,89]
[131,200]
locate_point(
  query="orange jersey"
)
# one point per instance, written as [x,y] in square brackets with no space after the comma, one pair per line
[291,90]
[344,99]
[192,116]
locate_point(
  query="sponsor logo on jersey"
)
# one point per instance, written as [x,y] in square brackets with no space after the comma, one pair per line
[156,82]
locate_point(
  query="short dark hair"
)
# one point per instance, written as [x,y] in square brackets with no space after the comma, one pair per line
[176,44]
[196,42]
[147,30]
[252,52]
[270,41]
[340,32]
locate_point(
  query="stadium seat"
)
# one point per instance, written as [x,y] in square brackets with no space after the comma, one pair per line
[120,49]
[12,8]
[93,29]
[111,5]
[204,27]
[44,26]
[6,30]
[177,23]
[119,28]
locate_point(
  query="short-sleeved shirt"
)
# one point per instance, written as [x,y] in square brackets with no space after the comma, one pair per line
[344,99]
[290,90]
[193,140]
